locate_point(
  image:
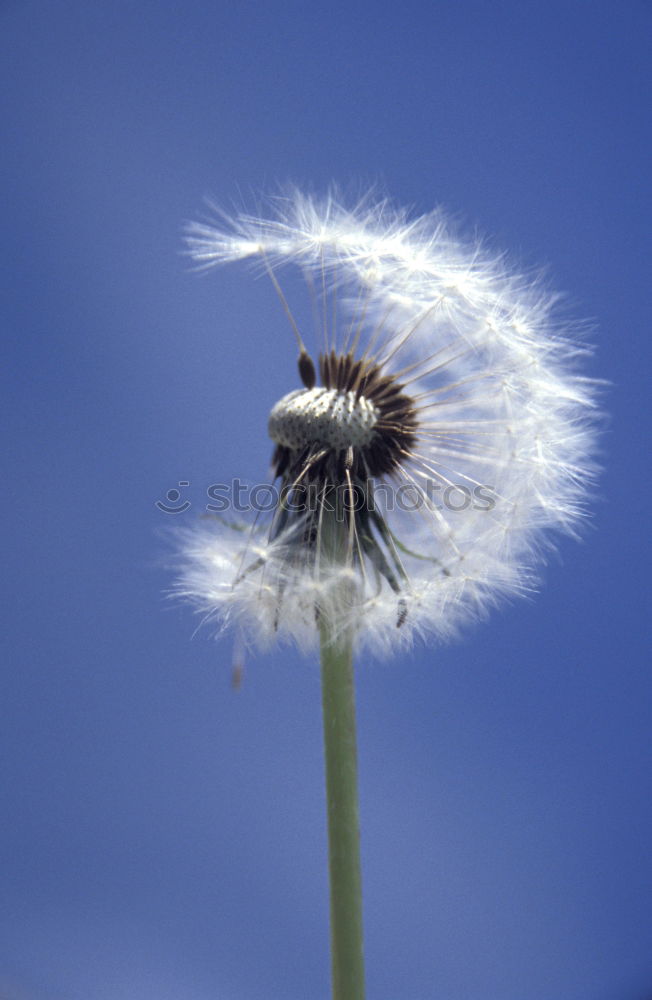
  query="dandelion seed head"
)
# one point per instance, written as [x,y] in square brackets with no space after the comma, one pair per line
[438,439]
[337,420]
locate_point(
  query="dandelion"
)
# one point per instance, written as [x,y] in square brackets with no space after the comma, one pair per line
[438,437]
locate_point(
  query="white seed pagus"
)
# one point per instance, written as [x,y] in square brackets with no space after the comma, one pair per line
[439,370]
[337,420]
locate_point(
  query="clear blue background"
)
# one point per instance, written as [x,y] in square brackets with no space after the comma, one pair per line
[163,836]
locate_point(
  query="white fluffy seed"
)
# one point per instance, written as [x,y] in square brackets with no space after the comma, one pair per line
[327,417]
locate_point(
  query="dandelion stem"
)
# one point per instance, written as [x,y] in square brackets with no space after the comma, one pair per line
[338,703]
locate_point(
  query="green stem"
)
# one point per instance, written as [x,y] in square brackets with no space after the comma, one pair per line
[338,703]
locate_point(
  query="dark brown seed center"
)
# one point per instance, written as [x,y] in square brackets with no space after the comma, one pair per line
[361,420]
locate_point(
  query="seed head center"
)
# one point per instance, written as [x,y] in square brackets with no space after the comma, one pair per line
[327,417]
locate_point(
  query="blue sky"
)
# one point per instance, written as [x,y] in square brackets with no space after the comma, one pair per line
[165,836]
